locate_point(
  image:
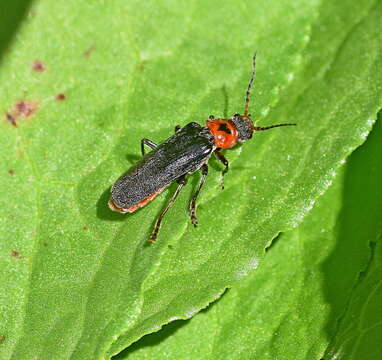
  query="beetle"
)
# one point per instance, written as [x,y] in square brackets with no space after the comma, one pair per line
[185,152]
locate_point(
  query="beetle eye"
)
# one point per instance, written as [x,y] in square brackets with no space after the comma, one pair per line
[236,117]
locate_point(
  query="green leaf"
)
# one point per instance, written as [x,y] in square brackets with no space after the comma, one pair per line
[358,335]
[304,287]
[84,82]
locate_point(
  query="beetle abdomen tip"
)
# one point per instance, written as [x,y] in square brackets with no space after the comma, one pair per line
[115,207]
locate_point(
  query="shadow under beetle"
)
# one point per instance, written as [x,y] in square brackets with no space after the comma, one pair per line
[185,152]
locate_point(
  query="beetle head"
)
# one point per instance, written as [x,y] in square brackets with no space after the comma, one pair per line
[239,128]
[243,123]
[244,126]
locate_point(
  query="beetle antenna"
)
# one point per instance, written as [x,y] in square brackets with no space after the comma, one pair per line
[247,94]
[259,128]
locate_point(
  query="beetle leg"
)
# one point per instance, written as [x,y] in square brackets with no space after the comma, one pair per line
[181,182]
[148,143]
[177,127]
[204,171]
[222,159]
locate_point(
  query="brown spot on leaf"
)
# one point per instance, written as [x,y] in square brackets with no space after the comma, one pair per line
[85,228]
[10,119]
[60,97]
[23,108]
[89,51]
[15,254]
[11,171]
[38,66]
[2,339]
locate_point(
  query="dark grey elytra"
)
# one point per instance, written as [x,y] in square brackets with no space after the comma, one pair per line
[185,152]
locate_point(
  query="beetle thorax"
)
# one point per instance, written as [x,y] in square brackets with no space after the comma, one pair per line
[224,132]
[227,133]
